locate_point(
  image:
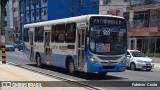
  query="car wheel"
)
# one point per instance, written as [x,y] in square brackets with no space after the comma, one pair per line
[148,69]
[38,61]
[133,66]
[102,73]
[71,67]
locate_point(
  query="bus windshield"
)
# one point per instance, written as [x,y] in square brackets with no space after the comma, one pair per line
[108,39]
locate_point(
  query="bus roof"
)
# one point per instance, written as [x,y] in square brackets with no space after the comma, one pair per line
[64,20]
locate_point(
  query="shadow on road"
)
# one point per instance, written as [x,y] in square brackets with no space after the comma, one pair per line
[139,70]
[87,76]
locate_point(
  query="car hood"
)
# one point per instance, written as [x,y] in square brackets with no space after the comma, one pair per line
[142,58]
[9,46]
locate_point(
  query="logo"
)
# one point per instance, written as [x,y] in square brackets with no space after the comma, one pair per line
[109,62]
[6,84]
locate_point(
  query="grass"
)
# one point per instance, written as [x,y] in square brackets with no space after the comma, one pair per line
[149,54]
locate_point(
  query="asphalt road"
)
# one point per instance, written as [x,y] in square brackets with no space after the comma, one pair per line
[19,58]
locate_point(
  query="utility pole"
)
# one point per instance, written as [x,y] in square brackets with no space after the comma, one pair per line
[2,32]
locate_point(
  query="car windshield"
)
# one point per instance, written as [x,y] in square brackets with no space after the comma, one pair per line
[9,43]
[138,54]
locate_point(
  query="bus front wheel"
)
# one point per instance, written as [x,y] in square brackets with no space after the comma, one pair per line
[38,60]
[71,68]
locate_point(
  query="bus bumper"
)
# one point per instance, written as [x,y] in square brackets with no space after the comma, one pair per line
[106,68]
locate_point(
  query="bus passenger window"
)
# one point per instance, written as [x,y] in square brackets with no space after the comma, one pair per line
[40,34]
[60,33]
[70,32]
[52,34]
[26,35]
[36,34]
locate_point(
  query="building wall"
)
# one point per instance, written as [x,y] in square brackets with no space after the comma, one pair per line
[113,7]
[54,9]
[8,20]
[16,28]
[143,17]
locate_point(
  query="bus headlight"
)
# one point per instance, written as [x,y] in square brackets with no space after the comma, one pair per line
[92,59]
[123,60]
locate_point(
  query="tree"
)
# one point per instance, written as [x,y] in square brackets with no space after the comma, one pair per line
[3,11]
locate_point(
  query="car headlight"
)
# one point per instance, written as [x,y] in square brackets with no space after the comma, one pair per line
[92,59]
[123,61]
[140,61]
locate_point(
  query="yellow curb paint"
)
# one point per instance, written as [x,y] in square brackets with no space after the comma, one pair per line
[3,54]
[24,78]
[3,59]
[3,49]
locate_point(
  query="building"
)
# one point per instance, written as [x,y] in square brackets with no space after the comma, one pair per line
[143,17]
[8,21]
[16,29]
[32,11]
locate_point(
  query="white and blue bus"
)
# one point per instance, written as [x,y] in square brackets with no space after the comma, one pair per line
[89,43]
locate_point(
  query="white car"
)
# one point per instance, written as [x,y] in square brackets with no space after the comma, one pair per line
[137,60]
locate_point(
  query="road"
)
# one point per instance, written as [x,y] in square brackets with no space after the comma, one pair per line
[19,58]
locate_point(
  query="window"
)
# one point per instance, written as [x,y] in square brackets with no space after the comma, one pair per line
[17,35]
[45,12]
[141,15]
[44,1]
[70,32]
[128,53]
[33,2]
[60,33]
[5,23]
[105,2]
[33,14]
[37,13]
[53,34]
[36,1]
[26,35]
[5,12]
[27,14]
[27,3]
[38,34]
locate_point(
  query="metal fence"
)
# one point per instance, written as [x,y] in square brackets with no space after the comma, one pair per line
[143,2]
[138,24]
[143,23]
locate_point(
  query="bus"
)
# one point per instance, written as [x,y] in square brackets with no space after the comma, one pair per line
[88,43]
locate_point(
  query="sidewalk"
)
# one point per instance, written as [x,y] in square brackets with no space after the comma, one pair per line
[10,73]
[155,59]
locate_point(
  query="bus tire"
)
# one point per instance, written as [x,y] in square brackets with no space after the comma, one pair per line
[38,60]
[71,67]
[102,73]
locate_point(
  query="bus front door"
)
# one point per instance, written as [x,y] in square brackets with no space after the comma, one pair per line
[81,46]
[31,46]
[47,49]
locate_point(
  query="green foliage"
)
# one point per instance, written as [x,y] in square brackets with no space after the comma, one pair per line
[149,54]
